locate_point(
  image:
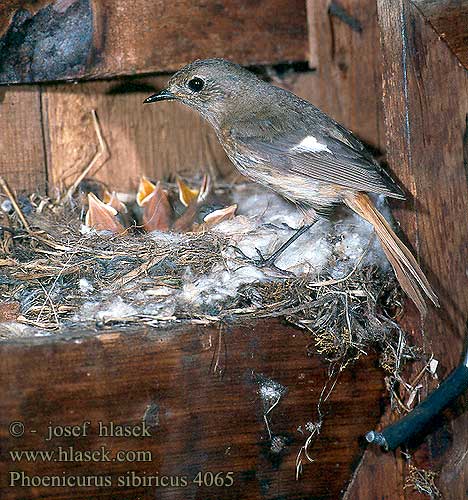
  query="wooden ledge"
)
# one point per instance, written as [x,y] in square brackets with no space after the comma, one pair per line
[204,394]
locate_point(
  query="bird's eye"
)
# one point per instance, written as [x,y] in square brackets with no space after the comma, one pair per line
[196,84]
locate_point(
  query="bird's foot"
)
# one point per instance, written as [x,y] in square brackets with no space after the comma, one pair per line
[262,262]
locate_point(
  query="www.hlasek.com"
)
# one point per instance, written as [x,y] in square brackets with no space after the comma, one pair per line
[130,479]
[70,454]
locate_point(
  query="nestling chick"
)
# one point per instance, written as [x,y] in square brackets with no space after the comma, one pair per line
[101,216]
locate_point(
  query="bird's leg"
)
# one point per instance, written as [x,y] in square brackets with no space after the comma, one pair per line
[270,261]
[272,258]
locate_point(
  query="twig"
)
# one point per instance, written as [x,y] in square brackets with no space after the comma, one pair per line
[422,481]
[49,293]
[52,305]
[417,421]
[102,154]
[314,428]
[135,273]
[265,415]
[11,196]
[217,368]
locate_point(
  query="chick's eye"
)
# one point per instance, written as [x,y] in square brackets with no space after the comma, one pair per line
[196,84]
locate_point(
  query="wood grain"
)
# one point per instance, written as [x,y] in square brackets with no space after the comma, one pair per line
[206,409]
[71,39]
[22,158]
[426,102]
[158,141]
[449,18]
[425,137]
[348,71]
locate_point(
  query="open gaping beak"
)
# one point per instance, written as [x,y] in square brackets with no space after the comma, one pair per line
[164,95]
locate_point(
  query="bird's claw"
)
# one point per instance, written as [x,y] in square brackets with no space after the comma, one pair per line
[261,261]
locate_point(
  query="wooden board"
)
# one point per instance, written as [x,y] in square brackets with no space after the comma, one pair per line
[158,141]
[200,391]
[70,39]
[450,20]
[22,158]
[344,41]
[426,101]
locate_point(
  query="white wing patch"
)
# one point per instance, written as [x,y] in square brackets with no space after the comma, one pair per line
[311,144]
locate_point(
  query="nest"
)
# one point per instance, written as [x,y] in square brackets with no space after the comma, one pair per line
[55,276]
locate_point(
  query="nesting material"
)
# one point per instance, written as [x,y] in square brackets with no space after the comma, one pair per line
[333,281]
[422,481]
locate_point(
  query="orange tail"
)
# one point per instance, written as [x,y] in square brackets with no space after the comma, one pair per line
[407,270]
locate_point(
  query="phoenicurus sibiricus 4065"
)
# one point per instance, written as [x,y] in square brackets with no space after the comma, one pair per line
[287,144]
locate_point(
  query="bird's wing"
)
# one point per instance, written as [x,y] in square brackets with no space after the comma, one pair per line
[324,151]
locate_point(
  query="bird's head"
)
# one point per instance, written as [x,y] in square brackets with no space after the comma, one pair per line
[211,86]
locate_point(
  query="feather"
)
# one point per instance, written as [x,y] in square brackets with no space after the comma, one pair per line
[326,159]
[407,270]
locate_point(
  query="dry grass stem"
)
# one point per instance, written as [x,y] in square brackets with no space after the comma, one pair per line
[101,156]
[11,197]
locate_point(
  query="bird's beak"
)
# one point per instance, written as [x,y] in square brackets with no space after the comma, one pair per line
[164,95]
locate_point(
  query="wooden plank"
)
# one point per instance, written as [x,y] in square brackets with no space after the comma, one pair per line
[203,388]
[71,39]
[426,122]
[22,158]
[450,20]
[158,141]
[378,476]
[426,101]
[344,48]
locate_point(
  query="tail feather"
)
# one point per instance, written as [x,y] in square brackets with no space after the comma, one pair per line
[407,270]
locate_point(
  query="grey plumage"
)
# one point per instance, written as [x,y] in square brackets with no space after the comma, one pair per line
[289,145]
[269,122]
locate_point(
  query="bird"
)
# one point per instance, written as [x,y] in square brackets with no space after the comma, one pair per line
[102,216]
[204,210]
[156,209]
[289,145]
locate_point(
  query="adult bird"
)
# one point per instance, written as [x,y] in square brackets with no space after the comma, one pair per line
[287,144]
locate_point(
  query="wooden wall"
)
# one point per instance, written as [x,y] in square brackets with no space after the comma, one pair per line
[49,133]
[426,107]
[22,148]
[44,40]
